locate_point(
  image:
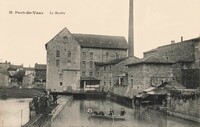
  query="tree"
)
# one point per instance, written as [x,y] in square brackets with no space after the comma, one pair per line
[19,76]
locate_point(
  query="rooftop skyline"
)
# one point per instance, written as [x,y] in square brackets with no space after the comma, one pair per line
[156,23]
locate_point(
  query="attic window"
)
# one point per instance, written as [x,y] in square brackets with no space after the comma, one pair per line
[65,37]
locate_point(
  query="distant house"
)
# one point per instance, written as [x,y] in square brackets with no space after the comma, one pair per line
[40,73]
[4,75]
[16,74]
[29,75]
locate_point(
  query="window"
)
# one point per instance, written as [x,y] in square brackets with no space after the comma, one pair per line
[57,53]
[61,83]
[83,73]
[65,37]
[57,63]
[107,56]
[84,55]
[117,55]
[91,55]
[69,54]
[131,82]
[84,64]
[104,83]
[91,64]
[91,74]
[60,76]
[110,68]
[69,62]
[104,68]
[98,74]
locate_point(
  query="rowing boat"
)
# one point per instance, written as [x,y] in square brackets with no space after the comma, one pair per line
[109,117]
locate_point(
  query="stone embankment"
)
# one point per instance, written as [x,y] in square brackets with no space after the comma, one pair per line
[45,120]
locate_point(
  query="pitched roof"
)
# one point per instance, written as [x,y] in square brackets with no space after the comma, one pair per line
[14,67]
[197,39]
[89,79]
[101,41]
[151,60]
[95,41]
[40,66]
[28,69]
[115,61]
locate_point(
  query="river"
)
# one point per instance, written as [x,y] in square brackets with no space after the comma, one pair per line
[75,115]
[14,112]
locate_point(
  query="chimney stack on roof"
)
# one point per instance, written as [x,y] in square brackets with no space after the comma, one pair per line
[130,30]
[181,38]
[172,41]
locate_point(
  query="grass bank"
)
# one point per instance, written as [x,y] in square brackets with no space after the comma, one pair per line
[19,93]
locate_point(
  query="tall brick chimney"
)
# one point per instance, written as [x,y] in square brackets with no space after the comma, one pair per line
[130,30]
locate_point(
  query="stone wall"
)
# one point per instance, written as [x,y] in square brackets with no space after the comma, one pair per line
[187,105]
[4,80]
[196,63]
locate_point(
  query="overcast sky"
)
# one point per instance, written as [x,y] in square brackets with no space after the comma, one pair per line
[156,22]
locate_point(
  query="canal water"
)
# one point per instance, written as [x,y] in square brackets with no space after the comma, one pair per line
[75,115]
[14,112]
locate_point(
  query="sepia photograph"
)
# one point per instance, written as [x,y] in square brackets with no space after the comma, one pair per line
[100,63]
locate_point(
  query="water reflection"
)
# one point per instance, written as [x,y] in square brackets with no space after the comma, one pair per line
[75,115]
[10,112]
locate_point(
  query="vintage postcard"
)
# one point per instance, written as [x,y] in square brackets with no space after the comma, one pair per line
[99,63]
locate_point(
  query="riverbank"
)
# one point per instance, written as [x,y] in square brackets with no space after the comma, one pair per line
[19,93]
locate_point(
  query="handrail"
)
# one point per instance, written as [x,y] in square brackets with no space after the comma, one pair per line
[8,117]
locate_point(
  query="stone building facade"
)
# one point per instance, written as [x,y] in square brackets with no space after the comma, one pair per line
[40,74]
[29,76]
[148,72]
[71,58]
[186,56]
[4,75]
[113,74]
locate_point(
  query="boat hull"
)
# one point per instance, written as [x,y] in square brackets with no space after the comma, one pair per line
[108,117]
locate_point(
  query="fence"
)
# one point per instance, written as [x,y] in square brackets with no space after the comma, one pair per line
[16,119]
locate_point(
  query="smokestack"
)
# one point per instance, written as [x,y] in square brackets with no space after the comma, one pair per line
[130,30]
